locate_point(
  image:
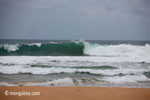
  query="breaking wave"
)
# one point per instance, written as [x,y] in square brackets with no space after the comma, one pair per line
[17,69]
[80,48]
[58,49]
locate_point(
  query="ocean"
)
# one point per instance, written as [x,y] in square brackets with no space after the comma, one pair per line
[75,63]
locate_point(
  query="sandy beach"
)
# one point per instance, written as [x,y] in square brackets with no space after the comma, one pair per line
[75,93]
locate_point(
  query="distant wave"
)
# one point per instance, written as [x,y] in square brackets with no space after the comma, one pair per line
[74,48]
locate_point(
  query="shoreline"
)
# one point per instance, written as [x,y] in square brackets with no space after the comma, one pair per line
[75,93]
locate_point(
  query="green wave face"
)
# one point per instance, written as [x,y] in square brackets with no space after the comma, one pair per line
[60,49]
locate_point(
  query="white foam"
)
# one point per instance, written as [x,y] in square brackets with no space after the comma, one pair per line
[127,78]
[69,60]
[6,84]
[56,82]
[122,50]
[37,44]
[56,70]
[10,47]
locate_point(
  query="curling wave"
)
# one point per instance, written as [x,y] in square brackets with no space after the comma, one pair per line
[80,48]
[58,49]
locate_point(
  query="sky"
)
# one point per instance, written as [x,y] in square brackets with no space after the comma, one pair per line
[75,19]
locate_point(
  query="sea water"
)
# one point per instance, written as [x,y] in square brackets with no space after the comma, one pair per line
[75,63]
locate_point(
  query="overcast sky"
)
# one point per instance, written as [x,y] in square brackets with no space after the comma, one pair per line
[75,19]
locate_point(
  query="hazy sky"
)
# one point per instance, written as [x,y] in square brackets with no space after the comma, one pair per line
[75,19]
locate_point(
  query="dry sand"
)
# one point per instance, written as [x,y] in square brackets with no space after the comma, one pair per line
[76,93]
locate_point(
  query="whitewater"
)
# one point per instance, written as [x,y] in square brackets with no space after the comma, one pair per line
[75,48]
[75,63]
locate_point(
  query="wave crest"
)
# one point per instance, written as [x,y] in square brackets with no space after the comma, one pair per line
[38,49]
[75,48]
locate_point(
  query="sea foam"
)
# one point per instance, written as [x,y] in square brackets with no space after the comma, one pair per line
[75,48]
[124,50]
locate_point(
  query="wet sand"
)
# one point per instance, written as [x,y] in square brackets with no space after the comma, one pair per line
[74,93]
